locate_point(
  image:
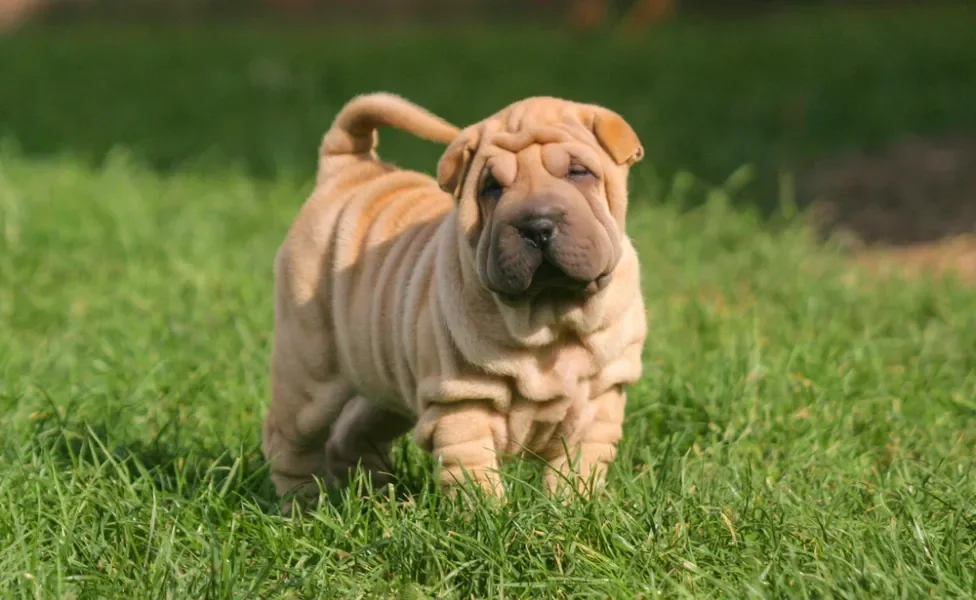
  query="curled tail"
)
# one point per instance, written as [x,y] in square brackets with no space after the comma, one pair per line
[354,128]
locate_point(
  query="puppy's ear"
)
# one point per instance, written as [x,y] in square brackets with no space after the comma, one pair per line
[452,168]
[617,137]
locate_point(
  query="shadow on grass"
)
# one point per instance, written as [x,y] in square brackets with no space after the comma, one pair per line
[190,470]
[165,463]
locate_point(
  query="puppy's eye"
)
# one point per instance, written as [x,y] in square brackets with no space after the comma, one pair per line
[577,171]
[490,186]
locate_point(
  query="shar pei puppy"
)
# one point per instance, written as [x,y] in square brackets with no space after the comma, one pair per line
[495,310]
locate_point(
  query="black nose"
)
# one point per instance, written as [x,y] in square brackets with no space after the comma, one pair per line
[537,231]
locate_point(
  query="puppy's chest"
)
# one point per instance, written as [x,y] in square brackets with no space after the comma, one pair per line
[549,391]
[554,373]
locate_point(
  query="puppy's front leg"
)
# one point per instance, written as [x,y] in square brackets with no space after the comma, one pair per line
[583,461]
[464,441]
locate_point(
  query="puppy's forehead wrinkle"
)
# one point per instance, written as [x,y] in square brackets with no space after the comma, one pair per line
[514,121]
[518,141]
[504,167]
[581,126]
[539,121]
[528,111]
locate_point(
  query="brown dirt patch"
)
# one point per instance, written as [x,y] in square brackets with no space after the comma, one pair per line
[955,256]
[912,206]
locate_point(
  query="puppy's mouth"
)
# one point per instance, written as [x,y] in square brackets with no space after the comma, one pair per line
[550,282]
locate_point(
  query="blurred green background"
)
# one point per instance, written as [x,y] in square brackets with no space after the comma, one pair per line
[707,92]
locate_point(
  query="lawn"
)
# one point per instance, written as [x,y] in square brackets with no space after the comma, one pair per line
[802,429]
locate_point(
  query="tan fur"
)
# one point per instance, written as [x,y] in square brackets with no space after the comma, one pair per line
[384,321]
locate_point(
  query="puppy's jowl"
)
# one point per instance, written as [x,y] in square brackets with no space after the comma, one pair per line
[496,310]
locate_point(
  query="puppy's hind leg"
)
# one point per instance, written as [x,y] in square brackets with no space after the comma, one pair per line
[363,435]
[296,429]
[308,391]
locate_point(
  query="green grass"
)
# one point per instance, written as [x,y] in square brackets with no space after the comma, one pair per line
[796,434]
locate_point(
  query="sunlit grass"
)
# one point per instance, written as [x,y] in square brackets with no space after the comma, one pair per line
[795,434]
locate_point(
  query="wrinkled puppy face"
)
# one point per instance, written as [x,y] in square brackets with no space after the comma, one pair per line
[542,196]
